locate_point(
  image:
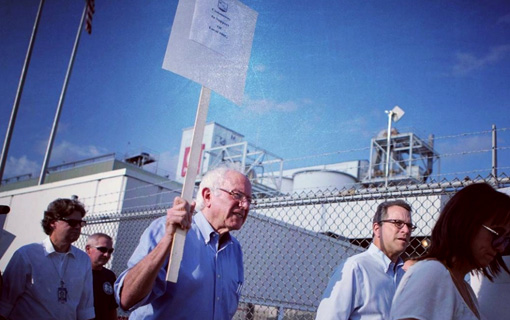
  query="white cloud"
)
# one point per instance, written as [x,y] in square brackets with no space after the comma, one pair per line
[469,144]
[63,152]
[465,155]
[467,62]
[68,152]
[20,166]
[264,106]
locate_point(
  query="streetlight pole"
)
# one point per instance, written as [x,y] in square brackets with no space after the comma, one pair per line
[388,140]
[393,115]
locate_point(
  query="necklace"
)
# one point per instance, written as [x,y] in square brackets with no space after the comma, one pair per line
[62,261]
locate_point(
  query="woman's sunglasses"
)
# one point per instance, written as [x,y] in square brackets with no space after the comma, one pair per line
[498,240]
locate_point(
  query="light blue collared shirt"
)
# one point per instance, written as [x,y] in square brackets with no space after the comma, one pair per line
[362,287]
[32,280]
[209,282]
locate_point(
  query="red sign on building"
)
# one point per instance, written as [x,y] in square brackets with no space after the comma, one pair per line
[186,160]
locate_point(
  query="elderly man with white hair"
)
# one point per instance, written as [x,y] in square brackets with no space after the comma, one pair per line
[211,273]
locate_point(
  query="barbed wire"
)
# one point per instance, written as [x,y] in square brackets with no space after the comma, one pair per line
[140,189]
[167,188]
[326,154]
[465,134]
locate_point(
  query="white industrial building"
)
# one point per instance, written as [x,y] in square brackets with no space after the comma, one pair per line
[299,210]
[104,185]
[107,185]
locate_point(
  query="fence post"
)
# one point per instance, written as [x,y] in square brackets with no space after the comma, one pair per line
[281,312]
[494,156]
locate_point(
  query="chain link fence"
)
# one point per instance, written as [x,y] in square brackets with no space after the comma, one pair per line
[292,243]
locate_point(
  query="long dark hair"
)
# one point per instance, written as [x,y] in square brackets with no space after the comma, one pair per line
[459,222]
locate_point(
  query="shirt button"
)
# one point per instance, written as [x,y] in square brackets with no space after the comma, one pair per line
[219,276]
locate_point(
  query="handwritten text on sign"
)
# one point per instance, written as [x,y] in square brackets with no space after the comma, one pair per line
[216,61]
[219,25]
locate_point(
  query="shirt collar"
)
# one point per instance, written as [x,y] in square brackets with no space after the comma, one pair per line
[206,229]
[384,260]
[49,249]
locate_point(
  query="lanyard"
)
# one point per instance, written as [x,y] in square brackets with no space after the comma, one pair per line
[61,269]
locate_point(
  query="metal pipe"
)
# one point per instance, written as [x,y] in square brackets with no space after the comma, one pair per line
[388,139]
[61,99]
[21,84]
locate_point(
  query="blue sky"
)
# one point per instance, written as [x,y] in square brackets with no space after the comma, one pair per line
[320,77]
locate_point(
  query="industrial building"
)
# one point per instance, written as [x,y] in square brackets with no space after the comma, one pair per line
[306,220]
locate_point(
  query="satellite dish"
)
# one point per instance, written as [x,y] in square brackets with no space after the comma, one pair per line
[396,113]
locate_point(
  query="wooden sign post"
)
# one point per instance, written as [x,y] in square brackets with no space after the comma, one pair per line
[210,43]
[189,182]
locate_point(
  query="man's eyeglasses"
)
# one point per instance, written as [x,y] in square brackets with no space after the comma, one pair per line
[399,224]
[498,239]
[105,249]
[73,223]
[239,196]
